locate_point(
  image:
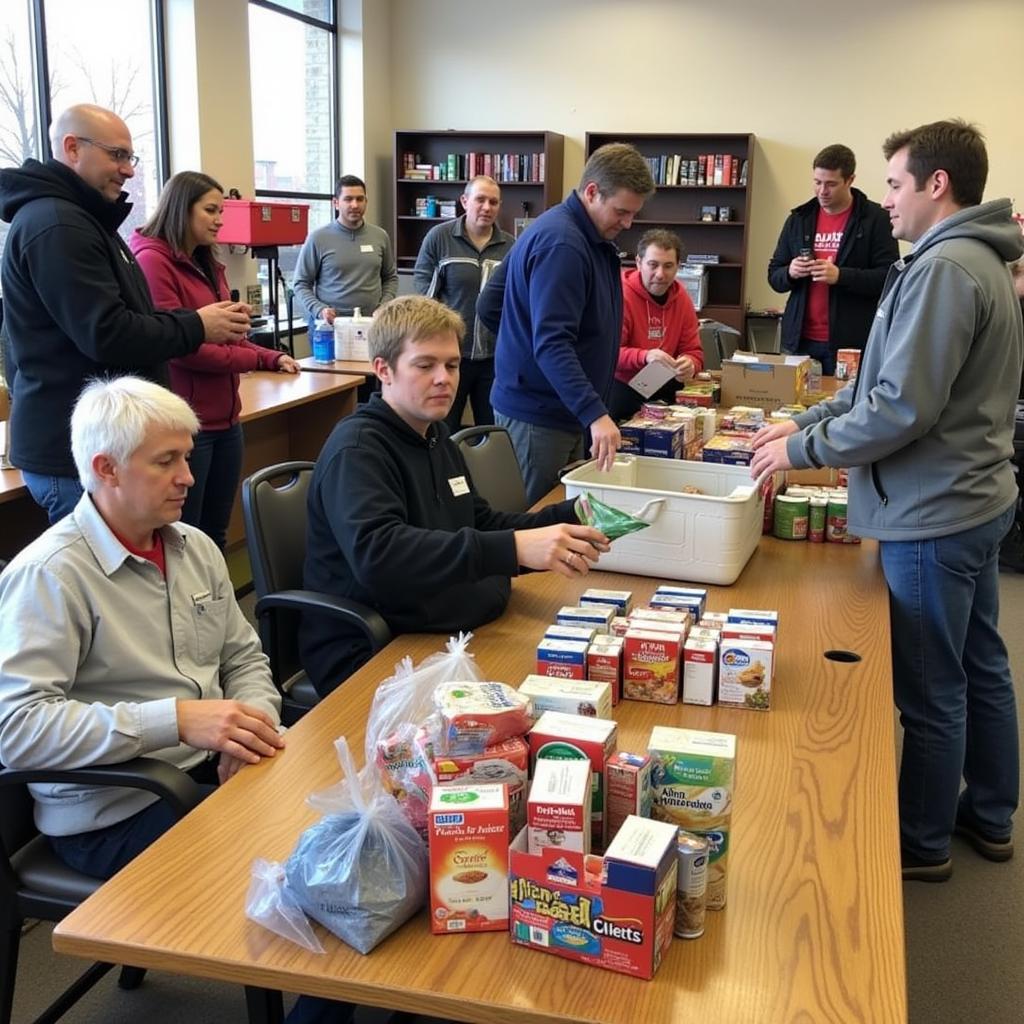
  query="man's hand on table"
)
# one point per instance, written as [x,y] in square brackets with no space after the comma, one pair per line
[565,548]
[770,449]
[241,731]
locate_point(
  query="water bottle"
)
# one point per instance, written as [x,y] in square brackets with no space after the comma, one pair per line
[323,342]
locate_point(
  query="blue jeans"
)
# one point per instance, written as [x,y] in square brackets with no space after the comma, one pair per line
[820,350]
[541,452]
[216,465]
[56,495]
[952,685]
[476,377]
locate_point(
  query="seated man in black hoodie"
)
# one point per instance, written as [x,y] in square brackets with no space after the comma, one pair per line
[394,521]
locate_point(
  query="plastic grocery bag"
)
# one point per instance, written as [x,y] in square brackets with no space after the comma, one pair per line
[271,904]
[401,725]
[361,871]
[612,522]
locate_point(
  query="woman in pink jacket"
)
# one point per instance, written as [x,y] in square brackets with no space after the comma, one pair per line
[175,250]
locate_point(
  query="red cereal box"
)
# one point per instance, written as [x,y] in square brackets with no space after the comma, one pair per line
[604,664]
[650,668]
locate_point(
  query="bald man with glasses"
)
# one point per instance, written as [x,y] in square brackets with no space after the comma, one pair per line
[76,305]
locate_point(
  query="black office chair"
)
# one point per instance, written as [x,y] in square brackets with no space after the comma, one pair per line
[274,510]
[493,467]
[34,883]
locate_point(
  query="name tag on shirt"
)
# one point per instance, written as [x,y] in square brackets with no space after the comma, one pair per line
[458,485]
[366,248]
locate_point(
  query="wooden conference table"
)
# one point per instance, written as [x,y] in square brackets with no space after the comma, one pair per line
[813,930]
[359,366]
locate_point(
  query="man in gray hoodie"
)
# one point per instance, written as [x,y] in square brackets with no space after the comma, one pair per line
[927,431]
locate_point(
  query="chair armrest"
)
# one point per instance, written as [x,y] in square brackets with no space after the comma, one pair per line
[370,623]
[149,773]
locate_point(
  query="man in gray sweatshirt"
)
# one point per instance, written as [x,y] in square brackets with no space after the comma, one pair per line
[347,264]
[927,431]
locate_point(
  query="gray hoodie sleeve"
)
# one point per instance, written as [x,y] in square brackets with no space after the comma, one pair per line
[304,279]
[929,336]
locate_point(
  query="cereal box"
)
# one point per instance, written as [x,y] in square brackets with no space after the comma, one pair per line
[622,599]
[650,668]
[700,669]
[604,664]
[558,807]
[745,673]
[570,696]
[597,616]
[570,737]
[469,840]
[507,762]
[694,780]
[627,790]
[618,914]
[566,659]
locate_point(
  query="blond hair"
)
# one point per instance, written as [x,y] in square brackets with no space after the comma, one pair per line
[410,318]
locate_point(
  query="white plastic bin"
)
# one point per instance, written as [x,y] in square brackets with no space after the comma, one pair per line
[704,538]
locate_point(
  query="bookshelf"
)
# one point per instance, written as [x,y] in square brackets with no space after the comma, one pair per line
[678,208]
[532,151]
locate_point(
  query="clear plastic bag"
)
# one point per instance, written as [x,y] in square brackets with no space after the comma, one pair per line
[361,871]
[269,903]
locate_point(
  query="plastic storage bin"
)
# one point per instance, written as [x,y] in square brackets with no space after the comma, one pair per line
[704,538]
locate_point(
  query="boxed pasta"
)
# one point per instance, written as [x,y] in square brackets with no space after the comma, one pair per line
[617,913]
[694,780]
[560,737]
[570,696]
[558,807]
[469,840]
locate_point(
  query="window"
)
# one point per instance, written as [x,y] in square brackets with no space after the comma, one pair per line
[294,116]
[103,52]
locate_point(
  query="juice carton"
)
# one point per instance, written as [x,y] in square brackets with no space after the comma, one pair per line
[558,807]
[694,779]
[650,668]
[570,737]
[700,670]
[507,762]
[619,916]
[604,663]
[622,599]
[469,839]
[627,790]
[570,696]
[566,659]
[745,673]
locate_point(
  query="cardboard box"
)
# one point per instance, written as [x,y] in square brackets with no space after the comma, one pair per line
[566,659]
[619,914]
[622,599]
[250,222]
[558,807]
[590,698]
[627,790]
[558,632]
[469,837]
[604,664]
[570,737]
[650,669]
[765,381]
[694,779]
[745,672]
[594,616]
[700,670]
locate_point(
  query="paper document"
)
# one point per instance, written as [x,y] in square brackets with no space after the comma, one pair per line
[652,378]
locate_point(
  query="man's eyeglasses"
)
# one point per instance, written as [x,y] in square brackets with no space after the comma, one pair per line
[121,156]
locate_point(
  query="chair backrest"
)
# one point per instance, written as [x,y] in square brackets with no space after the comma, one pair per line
[712,353]
[274,512]
[492,465]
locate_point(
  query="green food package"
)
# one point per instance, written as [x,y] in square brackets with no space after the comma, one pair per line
[612,522]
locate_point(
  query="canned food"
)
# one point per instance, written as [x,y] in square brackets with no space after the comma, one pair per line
[817,520]
[835,529]
[791,514]
[692,887]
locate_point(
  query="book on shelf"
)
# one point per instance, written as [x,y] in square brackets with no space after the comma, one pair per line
[704,258]
[743,173]
[726,169]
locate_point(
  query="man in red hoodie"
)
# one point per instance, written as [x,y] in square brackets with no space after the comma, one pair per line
[658,322]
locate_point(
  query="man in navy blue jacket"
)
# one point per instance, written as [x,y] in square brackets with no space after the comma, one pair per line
[561,320]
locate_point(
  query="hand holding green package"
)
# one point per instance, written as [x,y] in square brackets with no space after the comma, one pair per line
[612,522]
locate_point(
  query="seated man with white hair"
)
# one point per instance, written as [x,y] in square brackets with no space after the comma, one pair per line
[120,635]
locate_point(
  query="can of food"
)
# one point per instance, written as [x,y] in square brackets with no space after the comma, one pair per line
[847,363]
[817,520]
[835,528]
[791,514]
[692,886]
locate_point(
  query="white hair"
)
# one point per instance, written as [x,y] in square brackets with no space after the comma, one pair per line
[112,418]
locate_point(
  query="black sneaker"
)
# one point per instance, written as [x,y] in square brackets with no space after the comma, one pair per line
[988,846]
[917,870]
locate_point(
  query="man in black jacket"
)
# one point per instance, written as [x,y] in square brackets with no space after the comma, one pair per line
[76,305]
[393,518]
[832,255]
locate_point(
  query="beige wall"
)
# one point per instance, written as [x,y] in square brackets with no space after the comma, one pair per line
[796,74]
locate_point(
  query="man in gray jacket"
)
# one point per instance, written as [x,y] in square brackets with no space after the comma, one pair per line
[120,635]
[927,431]
[454,263]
